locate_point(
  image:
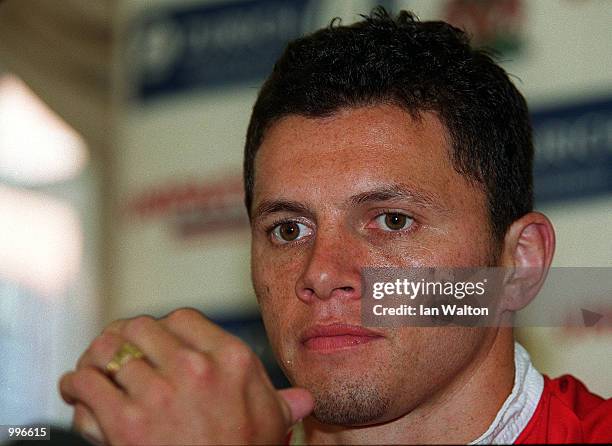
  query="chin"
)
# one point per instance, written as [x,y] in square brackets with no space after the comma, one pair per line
[350,402]
[349,393]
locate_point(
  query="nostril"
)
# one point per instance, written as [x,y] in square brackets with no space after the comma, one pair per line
[306,294]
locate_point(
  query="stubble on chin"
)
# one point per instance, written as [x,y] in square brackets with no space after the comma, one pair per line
[350,404]
[350,397]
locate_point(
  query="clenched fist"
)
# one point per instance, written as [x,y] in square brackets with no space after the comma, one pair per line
[196,384]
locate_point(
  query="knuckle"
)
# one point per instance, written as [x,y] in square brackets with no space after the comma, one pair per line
[184,316]
[134,327]
[101,349]
[104,344]
[237,354]
[195,364]
[115,326]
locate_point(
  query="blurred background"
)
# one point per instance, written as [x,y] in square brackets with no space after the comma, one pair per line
[122,126]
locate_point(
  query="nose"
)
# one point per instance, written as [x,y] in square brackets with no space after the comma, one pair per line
[332,271]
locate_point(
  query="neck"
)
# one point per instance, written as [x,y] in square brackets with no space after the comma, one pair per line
[458,413]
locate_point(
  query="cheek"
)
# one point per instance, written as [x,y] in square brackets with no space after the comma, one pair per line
[436,355]
[274,280]
[274,272]
[457,245]
[274,275]
[272,316]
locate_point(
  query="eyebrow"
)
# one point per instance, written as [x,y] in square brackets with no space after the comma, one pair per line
[383,193]
[396,192]
[268,207]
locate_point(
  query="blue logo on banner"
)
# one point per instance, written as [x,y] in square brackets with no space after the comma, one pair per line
[573,151]
[211,45]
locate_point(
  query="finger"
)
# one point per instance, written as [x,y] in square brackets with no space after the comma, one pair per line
[197,331]
[298,403]
[85,423]
[116,326]
[101,351]
[136,376]
[112,329]
[140,380]
[96,391]
[157,343]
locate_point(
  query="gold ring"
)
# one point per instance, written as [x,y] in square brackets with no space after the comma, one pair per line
[127,352]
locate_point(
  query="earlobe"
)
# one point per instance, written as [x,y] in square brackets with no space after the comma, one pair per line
[529,246]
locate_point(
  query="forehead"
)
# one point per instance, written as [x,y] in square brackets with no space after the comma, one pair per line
[328,158]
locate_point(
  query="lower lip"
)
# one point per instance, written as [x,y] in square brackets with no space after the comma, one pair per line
[330,343]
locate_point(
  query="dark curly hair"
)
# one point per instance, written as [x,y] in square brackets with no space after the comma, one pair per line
[418,66]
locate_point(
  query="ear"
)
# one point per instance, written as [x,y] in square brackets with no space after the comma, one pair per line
[528,250]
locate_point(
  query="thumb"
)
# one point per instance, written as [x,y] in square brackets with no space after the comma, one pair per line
[299,403]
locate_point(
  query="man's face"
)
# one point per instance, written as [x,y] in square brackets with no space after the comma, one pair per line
[365,187]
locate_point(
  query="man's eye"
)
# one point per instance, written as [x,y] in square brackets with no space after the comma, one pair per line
[290,231]
[393,221]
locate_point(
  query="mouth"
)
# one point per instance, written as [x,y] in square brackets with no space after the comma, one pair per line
[332,337]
